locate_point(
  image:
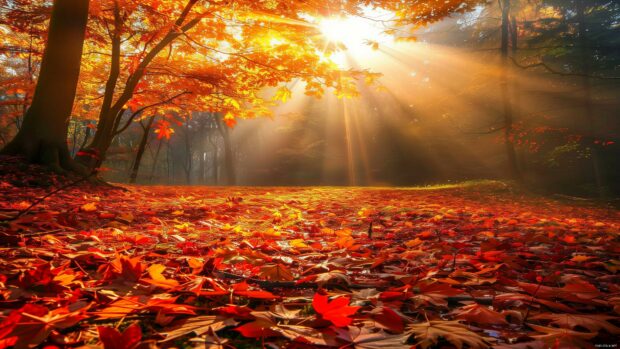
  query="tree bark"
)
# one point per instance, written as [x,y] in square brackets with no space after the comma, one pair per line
[86,136]
[229,163]
[141,148]
[43,136]
[92,155]
[155,157]
[188,162]
[587,96]
[513,166]
[202,149]
[215,157]
[516,93]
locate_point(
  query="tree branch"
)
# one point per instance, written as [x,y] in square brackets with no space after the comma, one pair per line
[561,73]
[180,28]
[244,57]
[41,199]
[140,110]
[493,130]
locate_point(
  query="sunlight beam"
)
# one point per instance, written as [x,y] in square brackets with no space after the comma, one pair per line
[355,33]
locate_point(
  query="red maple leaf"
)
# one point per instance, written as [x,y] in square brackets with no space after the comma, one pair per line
[336,311]
[30,325]
[163,129]
[113,339]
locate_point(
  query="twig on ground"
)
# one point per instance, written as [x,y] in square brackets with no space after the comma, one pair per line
[41,199]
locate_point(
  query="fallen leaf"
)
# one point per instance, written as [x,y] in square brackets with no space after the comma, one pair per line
[429,333]
[276,272]
[337,311]
[113,339]
[592,322]
[198,326]
[480,314]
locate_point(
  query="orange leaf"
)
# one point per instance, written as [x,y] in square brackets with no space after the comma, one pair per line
[158,279]
[258,329]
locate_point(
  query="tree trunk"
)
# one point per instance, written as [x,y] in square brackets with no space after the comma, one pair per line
[155,157]
[587,97]
[43,136]
[188,161]
[74,136]
[511,155]
[86,135]
[215,157]
[229,164]
[168,169]
[141,148]
[516,95]
[92,155]
[201,167]
[202,149]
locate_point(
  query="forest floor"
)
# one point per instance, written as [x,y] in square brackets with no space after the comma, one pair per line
[473,265]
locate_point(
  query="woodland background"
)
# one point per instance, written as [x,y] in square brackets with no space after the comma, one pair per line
[444,118]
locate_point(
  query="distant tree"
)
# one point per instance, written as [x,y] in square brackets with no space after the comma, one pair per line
[508,38]
[579,39]
[146,132]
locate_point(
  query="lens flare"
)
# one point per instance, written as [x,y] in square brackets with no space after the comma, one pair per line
[356,33]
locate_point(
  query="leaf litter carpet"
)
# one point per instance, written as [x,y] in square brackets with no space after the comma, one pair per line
[471,266]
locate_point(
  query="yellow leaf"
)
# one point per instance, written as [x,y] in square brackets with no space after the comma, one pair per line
[298,243]
[232,102]
[229,119]
[283,94]
[89,207]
